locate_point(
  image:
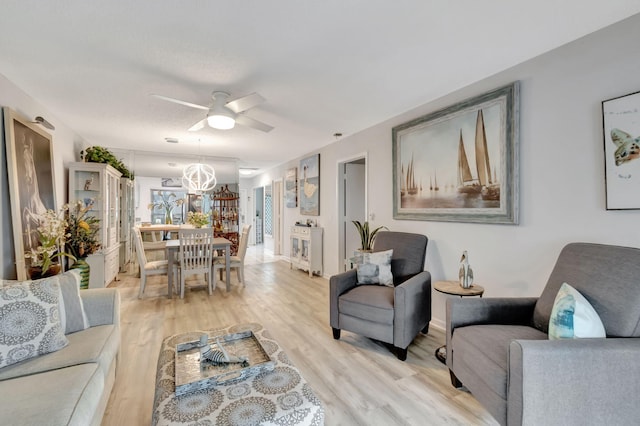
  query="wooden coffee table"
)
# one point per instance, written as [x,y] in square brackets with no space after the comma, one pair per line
[455,289]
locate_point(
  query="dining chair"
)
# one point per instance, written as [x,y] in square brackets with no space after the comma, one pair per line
[196,254]
[156,267]
[236,261]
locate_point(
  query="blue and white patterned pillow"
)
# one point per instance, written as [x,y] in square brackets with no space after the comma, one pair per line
[573,317]
[30,320]
[375,268]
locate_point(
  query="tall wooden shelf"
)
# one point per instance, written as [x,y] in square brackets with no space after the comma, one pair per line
[224,215]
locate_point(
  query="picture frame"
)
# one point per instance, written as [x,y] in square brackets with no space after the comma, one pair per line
[291,188]
[460,163]
[31,188]
[621,136]
[171,182]
[310,185]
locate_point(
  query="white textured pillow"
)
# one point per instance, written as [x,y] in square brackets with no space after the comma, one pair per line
[573,317]
[72,315]
[375,268]
[30,320]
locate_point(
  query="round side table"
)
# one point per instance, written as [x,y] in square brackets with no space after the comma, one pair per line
[455,289]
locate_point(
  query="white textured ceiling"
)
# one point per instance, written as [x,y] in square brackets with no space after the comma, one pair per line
[324,66]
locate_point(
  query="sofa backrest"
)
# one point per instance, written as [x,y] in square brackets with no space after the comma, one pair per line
[409,251]
[607,276]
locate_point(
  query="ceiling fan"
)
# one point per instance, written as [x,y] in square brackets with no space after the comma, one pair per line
[224,115]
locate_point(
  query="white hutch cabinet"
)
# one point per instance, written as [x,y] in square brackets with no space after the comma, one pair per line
[127,220]
[306,249]
[98,185]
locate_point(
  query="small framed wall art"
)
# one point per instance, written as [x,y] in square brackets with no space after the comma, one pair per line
[621,128]
[310,185]
[291,188]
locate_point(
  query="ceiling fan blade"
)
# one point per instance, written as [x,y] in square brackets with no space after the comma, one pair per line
[178,101]
[254,124]
[244,103]
[198,126]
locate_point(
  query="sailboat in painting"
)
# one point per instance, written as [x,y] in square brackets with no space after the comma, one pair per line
[484,185]
[409,181]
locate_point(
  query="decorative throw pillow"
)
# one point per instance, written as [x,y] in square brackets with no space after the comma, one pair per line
[30,320]
[72,315]
[375,268]
[573,317]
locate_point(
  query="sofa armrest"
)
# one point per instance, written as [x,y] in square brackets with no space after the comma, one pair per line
[498,310]
[574,381]
[412,308]
[339,284]
[102,306]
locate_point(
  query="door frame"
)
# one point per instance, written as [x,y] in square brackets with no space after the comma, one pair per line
[277,203]
[340,194]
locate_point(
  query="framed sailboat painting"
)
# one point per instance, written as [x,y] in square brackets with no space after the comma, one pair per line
[460,164]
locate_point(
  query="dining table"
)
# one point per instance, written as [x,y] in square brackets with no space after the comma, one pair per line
[172,249]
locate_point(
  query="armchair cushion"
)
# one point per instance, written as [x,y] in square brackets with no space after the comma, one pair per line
[375,268]
[573,316]
[370,302]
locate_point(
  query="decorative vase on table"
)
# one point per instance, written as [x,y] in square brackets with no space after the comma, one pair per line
[167,218]
[465,274]
[36,272]
[82,266]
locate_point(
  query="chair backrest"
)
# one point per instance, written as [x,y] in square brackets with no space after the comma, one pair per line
[196,251]
[607,276]
[137,237]
[409,251]
[244,241]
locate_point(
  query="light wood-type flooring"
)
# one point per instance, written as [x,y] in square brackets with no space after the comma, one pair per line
[359,381]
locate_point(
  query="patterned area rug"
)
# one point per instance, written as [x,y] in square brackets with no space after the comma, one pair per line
[278,397]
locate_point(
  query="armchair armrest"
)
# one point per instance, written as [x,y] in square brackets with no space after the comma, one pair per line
[543,375]
[497,310]
[339,284]
[102,306]
[412,308]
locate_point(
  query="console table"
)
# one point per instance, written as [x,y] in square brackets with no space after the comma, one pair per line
[455,289]
[277,397]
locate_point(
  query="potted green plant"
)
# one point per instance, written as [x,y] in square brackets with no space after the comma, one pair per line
[82,238]
[98,154]
[367,236]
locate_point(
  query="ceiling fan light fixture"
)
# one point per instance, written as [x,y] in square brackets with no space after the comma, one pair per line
[221,120]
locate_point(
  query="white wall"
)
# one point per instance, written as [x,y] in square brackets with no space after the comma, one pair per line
[562,192]
[66,148]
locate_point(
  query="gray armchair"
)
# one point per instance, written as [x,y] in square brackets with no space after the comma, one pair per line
[393,315]
[499,348]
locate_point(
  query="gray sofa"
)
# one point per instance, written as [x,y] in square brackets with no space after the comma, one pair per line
[393,315]
[72,385]
[498,348]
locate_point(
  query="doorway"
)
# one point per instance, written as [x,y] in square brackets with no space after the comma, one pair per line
[352,205]
[258,218]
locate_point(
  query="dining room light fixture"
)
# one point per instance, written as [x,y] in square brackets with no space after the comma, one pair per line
[198,178]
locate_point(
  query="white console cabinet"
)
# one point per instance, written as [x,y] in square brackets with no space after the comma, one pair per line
[306,249]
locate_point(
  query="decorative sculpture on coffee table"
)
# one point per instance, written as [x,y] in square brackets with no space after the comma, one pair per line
[218,356]
[466,273]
